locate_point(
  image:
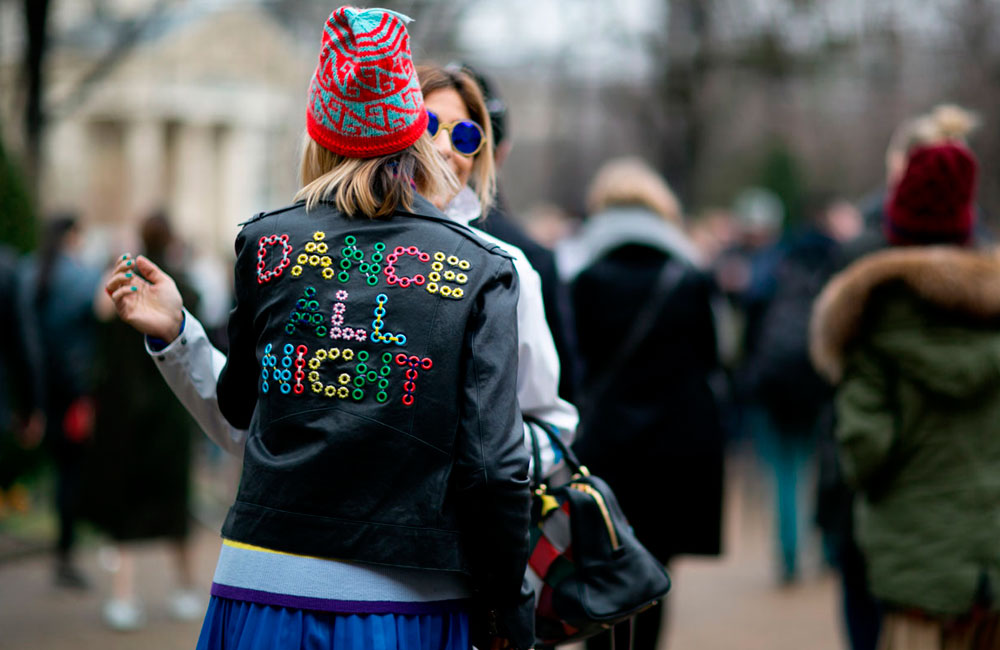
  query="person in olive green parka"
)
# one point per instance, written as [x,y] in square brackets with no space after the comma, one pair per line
[911,337]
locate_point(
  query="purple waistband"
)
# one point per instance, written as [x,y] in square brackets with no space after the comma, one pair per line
[340,606]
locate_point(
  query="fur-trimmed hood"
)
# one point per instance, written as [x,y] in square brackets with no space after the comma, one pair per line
[953,278]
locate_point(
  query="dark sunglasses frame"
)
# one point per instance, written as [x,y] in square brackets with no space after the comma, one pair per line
[434,119]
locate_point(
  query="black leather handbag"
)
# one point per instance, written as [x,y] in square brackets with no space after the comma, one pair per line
[588,569]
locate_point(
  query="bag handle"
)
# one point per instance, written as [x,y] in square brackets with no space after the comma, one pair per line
[536,454]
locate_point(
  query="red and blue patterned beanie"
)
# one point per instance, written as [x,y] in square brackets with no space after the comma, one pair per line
[365,99]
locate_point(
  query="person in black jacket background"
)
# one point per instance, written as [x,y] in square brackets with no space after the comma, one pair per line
[650,423]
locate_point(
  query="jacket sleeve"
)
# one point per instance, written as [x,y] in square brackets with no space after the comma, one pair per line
[865,422]
[237,386]
[190,365]
[491,463]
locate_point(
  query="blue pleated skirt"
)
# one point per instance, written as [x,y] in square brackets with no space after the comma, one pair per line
[239,625]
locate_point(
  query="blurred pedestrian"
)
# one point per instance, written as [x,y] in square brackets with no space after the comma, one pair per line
[22,422]
[793,399]
[909,335]
[375,508]
[650,422]
[137,483]
[61,289]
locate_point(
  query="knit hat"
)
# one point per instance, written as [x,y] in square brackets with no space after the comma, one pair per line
[365,99]
[932,203]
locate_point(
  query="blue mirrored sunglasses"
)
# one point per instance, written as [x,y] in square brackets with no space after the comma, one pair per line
[466,136]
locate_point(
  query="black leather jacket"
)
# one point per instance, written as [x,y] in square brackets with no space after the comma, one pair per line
[374,363]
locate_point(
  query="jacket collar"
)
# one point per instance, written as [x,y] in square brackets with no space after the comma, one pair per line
[617,227]
[953,278]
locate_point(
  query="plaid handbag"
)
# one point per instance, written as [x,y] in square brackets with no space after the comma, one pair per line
[588,570]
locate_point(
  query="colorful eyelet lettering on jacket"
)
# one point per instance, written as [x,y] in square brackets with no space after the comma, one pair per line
[352,256]
[413,365]
[338,331]
[377,334]
[267,361]
[306,312]
[439,275]
[404,281]
[269,241]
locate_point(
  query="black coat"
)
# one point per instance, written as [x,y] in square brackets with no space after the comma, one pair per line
[656,436]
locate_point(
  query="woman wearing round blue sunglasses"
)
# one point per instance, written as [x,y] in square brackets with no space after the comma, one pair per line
[459,125]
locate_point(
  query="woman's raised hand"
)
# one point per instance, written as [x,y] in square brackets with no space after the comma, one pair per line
[146,298]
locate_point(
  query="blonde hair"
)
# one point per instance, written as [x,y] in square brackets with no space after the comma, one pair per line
[434,78]
[630,181]
[372,187]
[945,123]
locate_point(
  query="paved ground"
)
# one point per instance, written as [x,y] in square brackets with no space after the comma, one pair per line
[726,604]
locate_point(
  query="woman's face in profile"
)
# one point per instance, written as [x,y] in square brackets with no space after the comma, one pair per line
[447,104]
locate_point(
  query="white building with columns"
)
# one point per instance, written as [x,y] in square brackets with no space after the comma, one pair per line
[200,117]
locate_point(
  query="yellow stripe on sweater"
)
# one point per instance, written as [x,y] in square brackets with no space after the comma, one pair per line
[250,547]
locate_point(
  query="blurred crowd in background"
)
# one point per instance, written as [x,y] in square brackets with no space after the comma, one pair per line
[729,374]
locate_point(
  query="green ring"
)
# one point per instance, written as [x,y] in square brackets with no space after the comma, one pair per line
[376,257]
[358,255]
[382,396]
[321,331]
[386,357]
[361,368]
[385,371]
[375,268]
[372,280]
[379,246]
[359,382]
[383,383]
[343,276]
[358,394]
[363,355]
[345,263]
[350,240]
[372,375]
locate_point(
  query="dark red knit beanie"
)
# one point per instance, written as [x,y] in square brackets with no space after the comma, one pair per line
[933,203]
